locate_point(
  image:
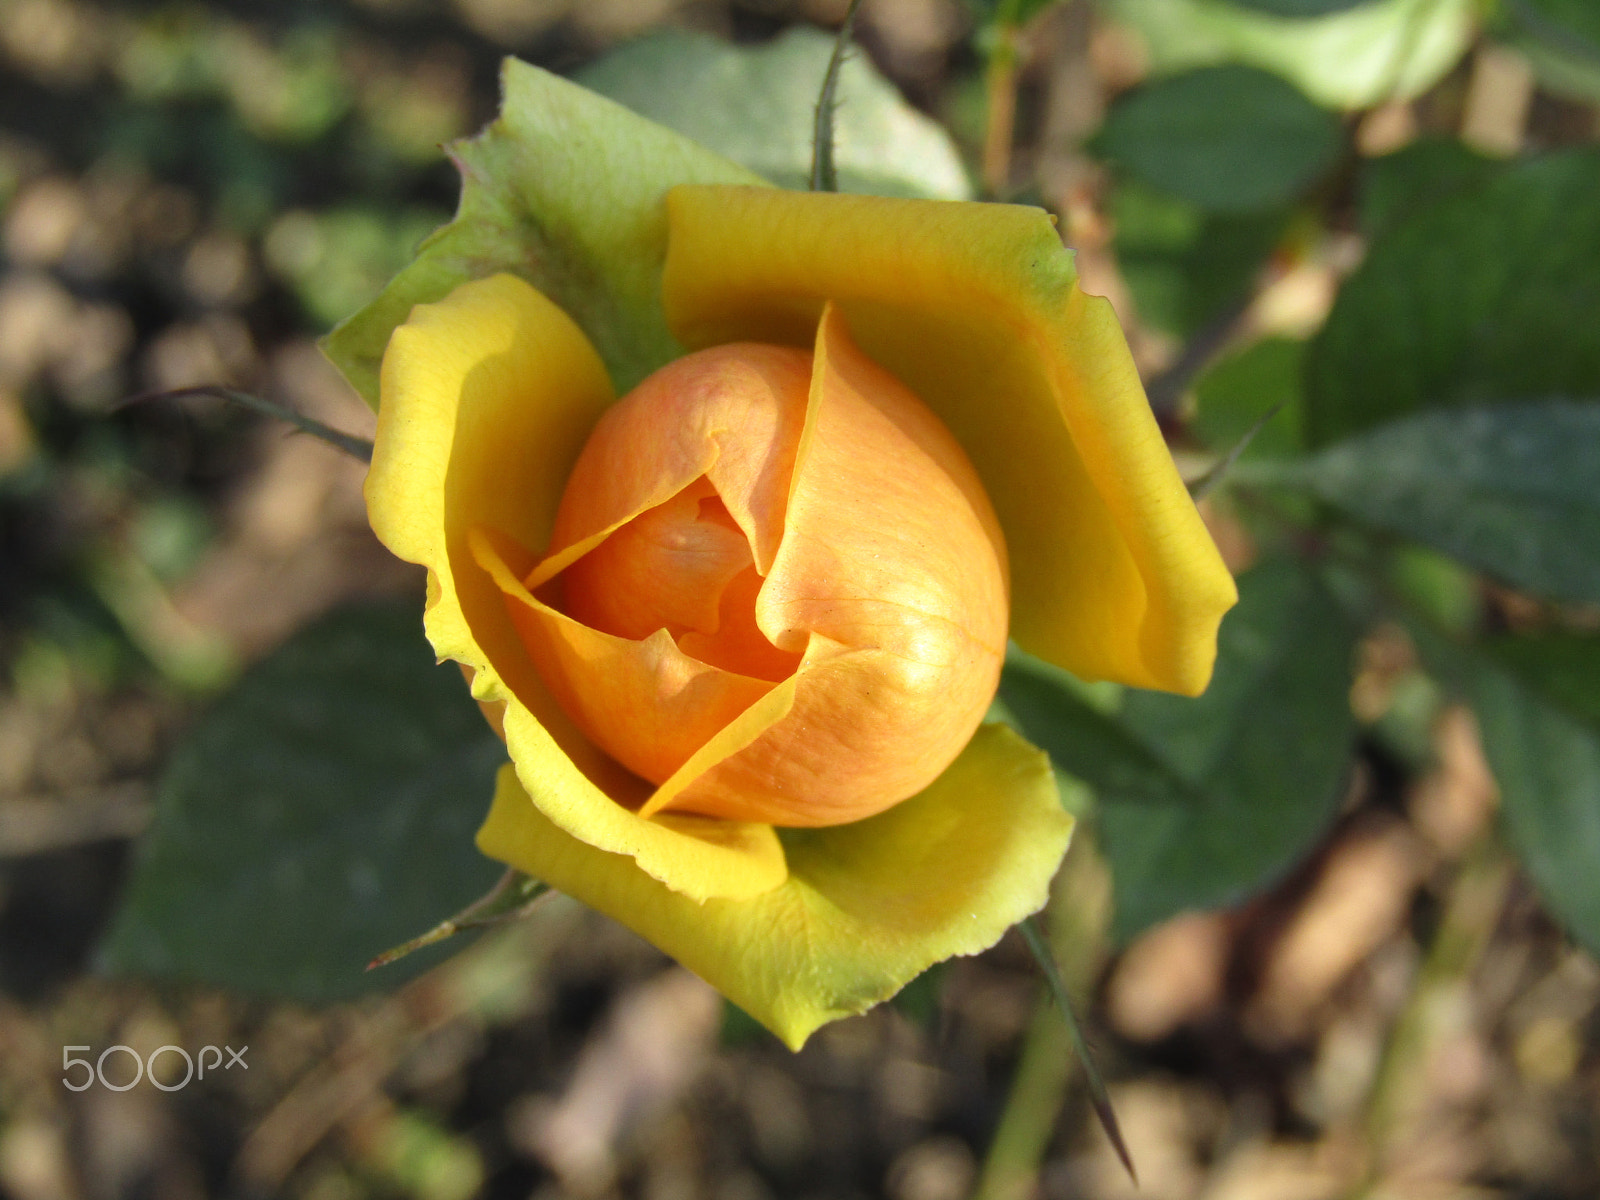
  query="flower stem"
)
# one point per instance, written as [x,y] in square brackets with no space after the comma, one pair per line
[1079,913]
[1000,90]
[824,176]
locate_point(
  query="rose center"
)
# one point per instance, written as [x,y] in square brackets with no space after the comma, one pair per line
[684,566]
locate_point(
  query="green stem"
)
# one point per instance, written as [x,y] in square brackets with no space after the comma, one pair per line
[1038,1091]
[510,899]
[1476,898]
[1079,913]
[1000,92]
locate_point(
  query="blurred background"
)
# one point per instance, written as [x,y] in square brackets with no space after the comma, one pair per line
[193,193]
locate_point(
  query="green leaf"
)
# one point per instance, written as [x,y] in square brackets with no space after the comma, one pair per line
[1490,295]
[1513,490]
[566,190]
[1204,802]
[1094,747]
[1354,58]
[1561,39]
[322,812]
[1563,667]
[1399,185]
[1230,139]
[1542,739]
[1185,266]
[1238,391]
[757,104]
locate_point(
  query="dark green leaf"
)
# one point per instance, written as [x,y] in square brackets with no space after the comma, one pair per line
[1489,295]
[1573,24]
[322,812]
[756,105]
[1184,266]
[1546,759]
[1399,185]
[1512,490]
[1229,139]
[1204,802]
[1238,391]
[1092,746]
[1564,669]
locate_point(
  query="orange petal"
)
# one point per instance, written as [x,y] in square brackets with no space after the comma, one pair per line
[644,702]
[665,569]
[738,643]
[892,571]
[732,414]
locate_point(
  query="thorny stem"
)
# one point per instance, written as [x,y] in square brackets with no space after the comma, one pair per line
[824,176]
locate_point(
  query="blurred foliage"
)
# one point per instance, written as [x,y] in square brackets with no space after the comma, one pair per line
[1240,389]
[1229,139]
[1204,802]
[1396,185]
[1186,267]
[1356,56]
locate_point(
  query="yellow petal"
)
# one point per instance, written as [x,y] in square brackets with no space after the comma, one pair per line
[976,308]
[866,907]
[487,397]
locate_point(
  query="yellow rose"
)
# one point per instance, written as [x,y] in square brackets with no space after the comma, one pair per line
[886,401]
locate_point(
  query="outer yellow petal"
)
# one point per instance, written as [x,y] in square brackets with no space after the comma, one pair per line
[866,907]
[977,309]
[487,397]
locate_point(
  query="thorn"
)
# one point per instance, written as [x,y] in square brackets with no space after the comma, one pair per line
[1213,476]
[1098,1096]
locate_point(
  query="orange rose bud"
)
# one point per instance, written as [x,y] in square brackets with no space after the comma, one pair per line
[775,588]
